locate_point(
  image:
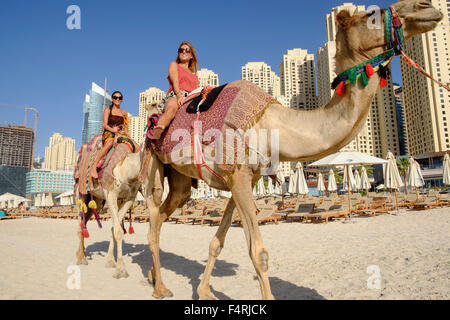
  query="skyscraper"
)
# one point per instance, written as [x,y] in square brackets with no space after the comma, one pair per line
[297,78]
[427,106]
[207,78]
[262,75]
[95,102]
[16,153]
[60,153]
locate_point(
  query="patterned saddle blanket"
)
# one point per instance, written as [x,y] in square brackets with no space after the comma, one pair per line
[238,106]
[87,155]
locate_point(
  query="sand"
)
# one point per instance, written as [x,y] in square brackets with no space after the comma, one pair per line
[409,255]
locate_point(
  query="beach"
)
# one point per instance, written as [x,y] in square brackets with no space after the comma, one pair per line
[384,257]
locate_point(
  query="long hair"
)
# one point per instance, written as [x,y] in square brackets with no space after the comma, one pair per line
[112,104]
[193,62]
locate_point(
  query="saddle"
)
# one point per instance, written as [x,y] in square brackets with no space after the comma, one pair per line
[122,146]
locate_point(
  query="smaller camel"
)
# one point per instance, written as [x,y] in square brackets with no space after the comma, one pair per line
[125,188]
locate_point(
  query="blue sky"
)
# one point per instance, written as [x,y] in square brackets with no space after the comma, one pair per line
[47,66]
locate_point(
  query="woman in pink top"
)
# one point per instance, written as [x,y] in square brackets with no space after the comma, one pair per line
[182,80]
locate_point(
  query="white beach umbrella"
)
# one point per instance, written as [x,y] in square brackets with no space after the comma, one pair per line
[49,200]
[279,186]
[37,200]
[414,179]
[320,183]
[364,183]
[260,188]
[332,185]
[446,169]
[300,185]
[392,178]
[270,188]
[291,186]
[348,176]
[357,180]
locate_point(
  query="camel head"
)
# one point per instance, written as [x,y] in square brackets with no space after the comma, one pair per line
[358,38]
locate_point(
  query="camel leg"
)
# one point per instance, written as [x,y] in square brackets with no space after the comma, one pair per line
[117,215]
[215,247]
[241,190]
[81,253]
[110,261]
[180,189]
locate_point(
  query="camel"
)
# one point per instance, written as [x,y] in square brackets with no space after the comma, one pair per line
[303,136]
[125,188]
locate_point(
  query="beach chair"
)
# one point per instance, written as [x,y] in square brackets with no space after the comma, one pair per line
[300,213]
[334,211]
[445,198]
[267,214]
[376,207]
[428,203]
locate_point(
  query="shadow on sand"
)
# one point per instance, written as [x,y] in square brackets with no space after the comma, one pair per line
[193,270]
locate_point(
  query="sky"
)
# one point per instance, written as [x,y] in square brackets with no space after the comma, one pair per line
[45,65]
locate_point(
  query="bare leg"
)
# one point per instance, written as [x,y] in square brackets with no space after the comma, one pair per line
[100,155]
[215,247]
[243,197]
[180,188]
[166,118]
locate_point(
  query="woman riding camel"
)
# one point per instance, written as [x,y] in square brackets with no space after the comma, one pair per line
[115,120]
[182,80]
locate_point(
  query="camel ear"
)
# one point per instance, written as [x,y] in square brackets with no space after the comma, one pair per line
[344,20]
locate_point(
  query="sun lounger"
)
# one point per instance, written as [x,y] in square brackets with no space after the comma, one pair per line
[376,207]
[428,203]
[335,211]
[267,214]
[300,212]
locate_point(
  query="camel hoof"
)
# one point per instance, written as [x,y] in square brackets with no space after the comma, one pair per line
[82,261]
[110,264]
[206,296]
[151,278]
[162,293]
[121,273]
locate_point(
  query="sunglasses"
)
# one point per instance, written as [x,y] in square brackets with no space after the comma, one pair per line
[187,50]
[117,98]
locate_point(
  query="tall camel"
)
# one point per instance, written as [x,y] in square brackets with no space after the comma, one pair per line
[303,136]
[125,188]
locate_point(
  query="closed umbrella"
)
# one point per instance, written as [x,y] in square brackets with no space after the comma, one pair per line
[270,189]
[414,179]
[279,186]
[260,188]
[332,185]
[357,180]
[300,185]
[348,176]
[49,200]
[320,183]
[446,173]
[291,186]
[364,184]
[392,178]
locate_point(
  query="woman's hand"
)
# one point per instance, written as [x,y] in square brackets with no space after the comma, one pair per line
[180,100]
[116,129]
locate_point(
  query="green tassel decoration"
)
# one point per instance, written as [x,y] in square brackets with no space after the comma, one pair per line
[352,76]
[364,79]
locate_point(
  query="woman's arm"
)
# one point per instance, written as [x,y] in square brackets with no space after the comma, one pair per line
[173,75]
[126,123]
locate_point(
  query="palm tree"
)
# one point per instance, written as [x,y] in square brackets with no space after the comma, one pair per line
[403,165]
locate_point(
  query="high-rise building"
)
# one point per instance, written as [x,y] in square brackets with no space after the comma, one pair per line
[401,122]
[297,79]
[16,154]
[207,78]
[262,75]
[380,132]
[95,102]
[426,104]
[60,153]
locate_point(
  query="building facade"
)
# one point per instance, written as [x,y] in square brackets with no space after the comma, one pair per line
[262,75]
[427,106]
[16,158]
[40,181]
[207,78]
[60,153]
[95,102]
[297,79]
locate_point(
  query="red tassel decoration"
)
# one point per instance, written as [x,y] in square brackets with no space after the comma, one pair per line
[383,83]
[84,231]
[369,70]
[340,90]
[131,230]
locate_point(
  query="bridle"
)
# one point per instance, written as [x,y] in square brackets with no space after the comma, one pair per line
[393,30]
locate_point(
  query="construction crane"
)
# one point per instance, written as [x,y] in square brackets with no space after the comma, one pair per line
[26,108]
